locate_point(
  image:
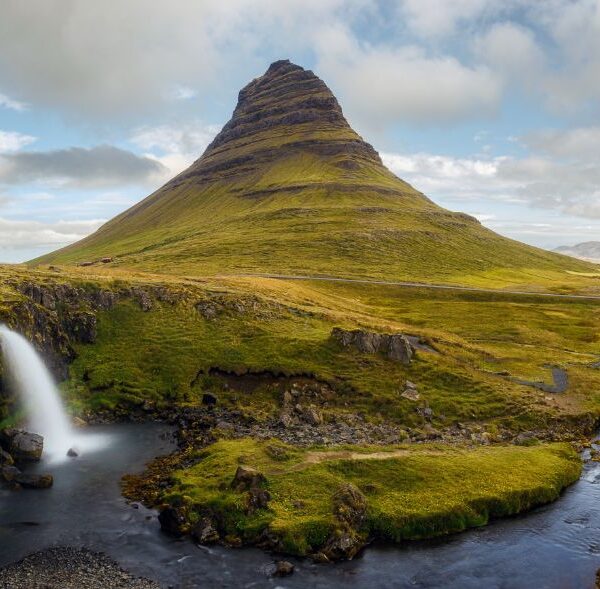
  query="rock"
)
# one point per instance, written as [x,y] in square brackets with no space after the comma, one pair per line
[143,298]
[247,478]
[35,481]
[5,458]
[172,521]
[205,532]
[343,545]
[84,264]
[9,473]
[257,499]
[399,348]
[410,391]
[283,568]
[27,446]
[206,309]
[311,415]
[78,422]
[72,452]
[350,505]
[396,346]
[209,399]
[7,435]
[106,260]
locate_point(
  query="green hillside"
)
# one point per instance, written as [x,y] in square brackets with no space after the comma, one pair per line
[288,187]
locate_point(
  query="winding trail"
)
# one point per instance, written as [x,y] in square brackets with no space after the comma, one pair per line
[408,284]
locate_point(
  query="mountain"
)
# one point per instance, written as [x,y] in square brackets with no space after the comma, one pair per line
[588,250]
[289,187]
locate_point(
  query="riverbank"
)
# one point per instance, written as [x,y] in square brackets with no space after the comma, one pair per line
[70,568]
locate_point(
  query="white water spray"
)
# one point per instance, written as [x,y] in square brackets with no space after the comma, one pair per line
[45,411]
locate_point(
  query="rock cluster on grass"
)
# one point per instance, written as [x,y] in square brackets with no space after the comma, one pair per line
[395,346]
[248,480]
[410,391]
[17,447]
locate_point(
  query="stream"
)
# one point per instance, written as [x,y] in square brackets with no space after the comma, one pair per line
[553,547]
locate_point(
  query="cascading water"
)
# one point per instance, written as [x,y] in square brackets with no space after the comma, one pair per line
[45,412]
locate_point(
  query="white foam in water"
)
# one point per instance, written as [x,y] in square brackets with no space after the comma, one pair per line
[45,412]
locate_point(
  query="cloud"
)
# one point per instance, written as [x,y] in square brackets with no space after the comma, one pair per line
[539,180]
[17,234]
[103,165]
[13,141]
[123,57]
[405,84]
[440,18]
[6,102]
[175,147]
[581,143]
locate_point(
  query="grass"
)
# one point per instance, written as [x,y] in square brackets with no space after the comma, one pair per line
[416,493]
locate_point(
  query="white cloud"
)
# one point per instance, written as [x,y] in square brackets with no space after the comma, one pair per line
[6,102]
[16,234]
[13,141]
[406,84]
[174,147]
[440,18]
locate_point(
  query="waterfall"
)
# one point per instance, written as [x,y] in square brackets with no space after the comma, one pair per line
[45,412]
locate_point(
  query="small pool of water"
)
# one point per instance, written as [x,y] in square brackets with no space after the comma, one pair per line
[554,547]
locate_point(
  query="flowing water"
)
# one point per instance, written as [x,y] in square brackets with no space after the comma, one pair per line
[554,547]
[45,413]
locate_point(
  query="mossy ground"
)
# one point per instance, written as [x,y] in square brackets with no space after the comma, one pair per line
[163,356]
[414,493]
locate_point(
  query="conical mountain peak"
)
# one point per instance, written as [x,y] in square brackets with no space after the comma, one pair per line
[289,187]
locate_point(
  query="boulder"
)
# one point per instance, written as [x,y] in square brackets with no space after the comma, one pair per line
[7,435]
[410,391]
[343,545]
[106,260]
[311,415]
[35,481]
[27,446]
[247,478]
[172,521]
[5,458]
[283,568]
[72,452]
[399,349]
[350,505]
[9,473]
[204,532]
[396,346]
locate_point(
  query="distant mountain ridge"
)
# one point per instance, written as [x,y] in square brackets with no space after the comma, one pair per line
[289,187]
[587,250]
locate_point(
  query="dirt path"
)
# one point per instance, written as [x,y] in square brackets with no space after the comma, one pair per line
[415,285]
[317,457]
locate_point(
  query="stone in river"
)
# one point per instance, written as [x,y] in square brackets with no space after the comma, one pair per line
[35,481]
[27,446]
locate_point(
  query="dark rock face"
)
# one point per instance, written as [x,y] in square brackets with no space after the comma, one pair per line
[27,446]
[209,399]
[287,100]
[395,346]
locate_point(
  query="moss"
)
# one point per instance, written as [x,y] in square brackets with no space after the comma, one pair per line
[418,492]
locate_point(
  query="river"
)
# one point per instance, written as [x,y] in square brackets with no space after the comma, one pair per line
[553,547]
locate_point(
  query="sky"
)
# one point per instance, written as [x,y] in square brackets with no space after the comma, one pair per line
[491,107]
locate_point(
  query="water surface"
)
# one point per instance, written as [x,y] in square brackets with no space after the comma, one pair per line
[554,547]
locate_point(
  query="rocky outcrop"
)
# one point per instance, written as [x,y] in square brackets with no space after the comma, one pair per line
[395,346]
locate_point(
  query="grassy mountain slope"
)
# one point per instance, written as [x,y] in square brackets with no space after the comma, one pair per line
[288,187]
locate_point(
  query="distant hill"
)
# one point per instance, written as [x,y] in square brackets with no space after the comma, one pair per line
[588,250]
[289,187]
